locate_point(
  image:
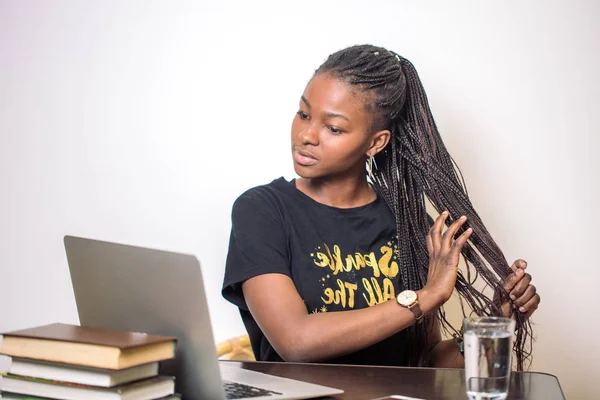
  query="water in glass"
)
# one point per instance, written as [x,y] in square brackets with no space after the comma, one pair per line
[487,363]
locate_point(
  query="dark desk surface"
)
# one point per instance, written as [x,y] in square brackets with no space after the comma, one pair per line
[363,383]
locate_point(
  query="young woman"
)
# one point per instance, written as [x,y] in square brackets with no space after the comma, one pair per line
[343,265]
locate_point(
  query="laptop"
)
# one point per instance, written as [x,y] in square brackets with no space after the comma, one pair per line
[145,290]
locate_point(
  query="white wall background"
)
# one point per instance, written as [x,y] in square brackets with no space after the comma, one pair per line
[142,121]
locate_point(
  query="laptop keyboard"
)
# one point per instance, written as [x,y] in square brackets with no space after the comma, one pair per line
[239,391]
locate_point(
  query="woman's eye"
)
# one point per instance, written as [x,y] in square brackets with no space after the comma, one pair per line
[335,131]
[302,114]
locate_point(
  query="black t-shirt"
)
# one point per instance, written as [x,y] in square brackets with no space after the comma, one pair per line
[339,259]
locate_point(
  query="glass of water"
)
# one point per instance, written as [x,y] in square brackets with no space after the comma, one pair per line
[488,352]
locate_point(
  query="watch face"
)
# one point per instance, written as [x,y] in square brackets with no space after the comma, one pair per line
[407,297]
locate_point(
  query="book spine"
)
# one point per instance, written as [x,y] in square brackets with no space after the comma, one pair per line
[5,362]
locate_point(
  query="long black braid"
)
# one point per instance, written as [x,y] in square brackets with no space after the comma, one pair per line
[416,166]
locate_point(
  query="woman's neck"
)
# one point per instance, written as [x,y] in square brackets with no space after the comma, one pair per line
[346,192]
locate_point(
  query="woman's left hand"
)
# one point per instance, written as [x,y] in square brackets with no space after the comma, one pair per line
[523,294]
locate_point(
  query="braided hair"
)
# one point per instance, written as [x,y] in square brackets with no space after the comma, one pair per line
[416,166]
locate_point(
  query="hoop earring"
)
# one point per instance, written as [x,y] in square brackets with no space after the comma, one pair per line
[370,162]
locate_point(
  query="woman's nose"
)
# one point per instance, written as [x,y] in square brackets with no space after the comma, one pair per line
[309,135]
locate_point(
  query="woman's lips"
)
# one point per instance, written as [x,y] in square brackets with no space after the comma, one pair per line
[304,158]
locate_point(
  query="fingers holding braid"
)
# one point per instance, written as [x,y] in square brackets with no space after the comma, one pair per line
[523,294]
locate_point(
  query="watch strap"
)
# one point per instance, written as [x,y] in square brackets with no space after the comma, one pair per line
[416,310]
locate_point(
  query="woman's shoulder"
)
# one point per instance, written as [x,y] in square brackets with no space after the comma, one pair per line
[275,193]
[277,187]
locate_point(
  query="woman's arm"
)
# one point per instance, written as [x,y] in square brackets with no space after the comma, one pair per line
[443,353]
[297,335]
[447,355]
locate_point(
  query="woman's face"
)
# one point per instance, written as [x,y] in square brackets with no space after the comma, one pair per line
[330,132]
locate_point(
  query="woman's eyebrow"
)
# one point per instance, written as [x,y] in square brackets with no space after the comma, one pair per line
[330,114]
[305,101]
[327,114]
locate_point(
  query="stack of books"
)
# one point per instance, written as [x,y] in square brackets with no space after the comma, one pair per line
[61,361]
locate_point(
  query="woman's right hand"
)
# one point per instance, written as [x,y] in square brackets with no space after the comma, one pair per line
[444,254]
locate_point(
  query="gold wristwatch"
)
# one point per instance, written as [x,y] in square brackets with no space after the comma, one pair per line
[410,300]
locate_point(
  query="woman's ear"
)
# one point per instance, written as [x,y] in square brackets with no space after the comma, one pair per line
[378,142]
